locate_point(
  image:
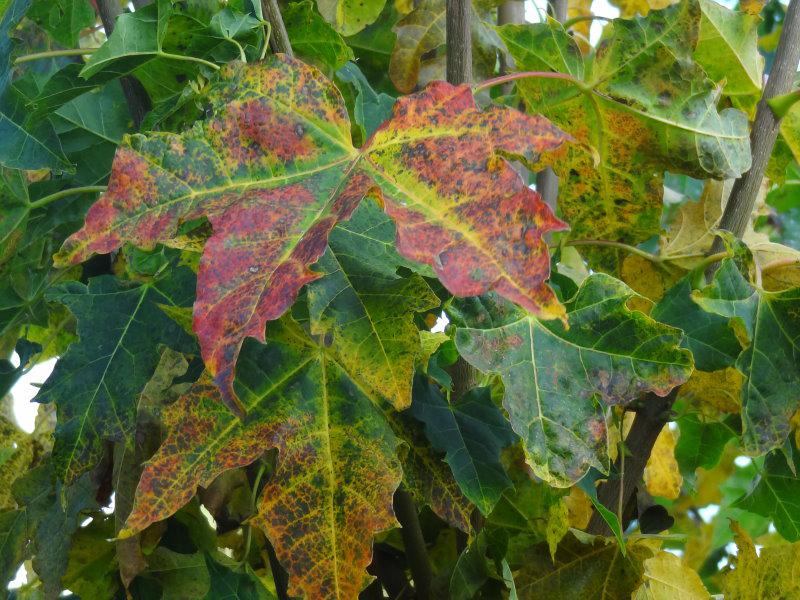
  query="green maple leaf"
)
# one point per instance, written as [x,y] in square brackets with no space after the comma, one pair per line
[472,432]
[638,105]
[337,465]
[366,309]
[275,169]
[770,322]
[560,383]
[96,385]
[776,495]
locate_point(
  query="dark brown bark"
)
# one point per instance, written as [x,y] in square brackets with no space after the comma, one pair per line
[650,420]
[459,42]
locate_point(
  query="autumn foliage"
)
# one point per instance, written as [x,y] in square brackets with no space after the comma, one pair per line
[317,335]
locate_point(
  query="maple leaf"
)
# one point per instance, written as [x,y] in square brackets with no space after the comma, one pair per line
[639,105]
[337,466]
[560,383]
[274,170]
[769,322]
[96,385]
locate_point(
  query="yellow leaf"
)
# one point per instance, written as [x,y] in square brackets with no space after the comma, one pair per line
[580,8]
[773,575]
[795,423]
[646,278]
[557,525]
[667,578]
[713,392]
[751,7]
[662,475]
[579,507]
[630,8]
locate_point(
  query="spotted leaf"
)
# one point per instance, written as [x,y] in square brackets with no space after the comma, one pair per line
[638,105]
[274,169]
[560,383]
[337,466]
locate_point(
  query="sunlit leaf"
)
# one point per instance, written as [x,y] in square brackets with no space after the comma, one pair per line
[481,230]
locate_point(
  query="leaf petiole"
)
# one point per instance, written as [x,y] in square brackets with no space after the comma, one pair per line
[89,189]
[525,75]
[53,54]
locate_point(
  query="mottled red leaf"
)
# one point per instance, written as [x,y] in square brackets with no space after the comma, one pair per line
[274,170]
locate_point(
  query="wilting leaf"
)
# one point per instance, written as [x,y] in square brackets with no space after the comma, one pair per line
[638,106]
[774,572]
[777,495]
[365,309]
[666,577]
[592,571]
[472,432]
[313,39]
[350,16]
[560,383]
[96,385]
[337,469]
[274,178]
[771,323]
[662,475]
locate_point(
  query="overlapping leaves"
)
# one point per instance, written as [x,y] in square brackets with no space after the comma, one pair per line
[639,105]
[337,464]
[770,323]
[274,170]
[560,383]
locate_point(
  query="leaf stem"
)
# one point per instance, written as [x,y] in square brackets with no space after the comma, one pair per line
[525,75]
[188,58]
[89,189]
[53,54]
[619,245]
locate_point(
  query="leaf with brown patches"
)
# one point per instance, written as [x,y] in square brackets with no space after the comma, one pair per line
[638,105]
[274,170]
[560,384]
[337,466]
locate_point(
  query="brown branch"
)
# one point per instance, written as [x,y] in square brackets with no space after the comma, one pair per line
[459,42]
[649,422]
[278,38]
[765,128]
[135,94]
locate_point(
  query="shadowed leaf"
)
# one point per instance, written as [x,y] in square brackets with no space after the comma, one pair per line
[96,385]
[472,432]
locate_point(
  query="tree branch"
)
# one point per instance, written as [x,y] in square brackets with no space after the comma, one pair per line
[459,42]
[416,550]
[765,128]
[135,94]
[649,422]
[278,39]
